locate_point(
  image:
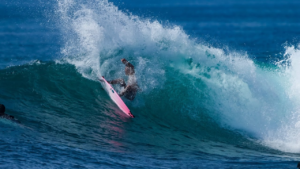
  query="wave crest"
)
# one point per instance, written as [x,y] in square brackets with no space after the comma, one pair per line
[238,93]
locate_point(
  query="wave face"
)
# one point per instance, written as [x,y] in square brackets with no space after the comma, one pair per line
[199,105]
[261,101]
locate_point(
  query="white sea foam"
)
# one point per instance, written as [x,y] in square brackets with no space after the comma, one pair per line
[285,138]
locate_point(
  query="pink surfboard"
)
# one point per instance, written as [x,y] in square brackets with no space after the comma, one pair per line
[115,96]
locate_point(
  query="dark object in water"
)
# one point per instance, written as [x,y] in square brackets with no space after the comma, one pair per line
[2,109]
[3,115]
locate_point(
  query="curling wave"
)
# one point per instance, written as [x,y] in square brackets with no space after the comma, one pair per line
[208,85]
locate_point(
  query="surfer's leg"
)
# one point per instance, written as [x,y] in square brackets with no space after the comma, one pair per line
[118,81]
[130,92]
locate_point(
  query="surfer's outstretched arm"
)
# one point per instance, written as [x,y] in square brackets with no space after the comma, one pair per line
[118,81]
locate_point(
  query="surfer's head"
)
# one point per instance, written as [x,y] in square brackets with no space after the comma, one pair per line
[2,109]
[129,69]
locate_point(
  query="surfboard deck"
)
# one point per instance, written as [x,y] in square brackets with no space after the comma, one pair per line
[115,96]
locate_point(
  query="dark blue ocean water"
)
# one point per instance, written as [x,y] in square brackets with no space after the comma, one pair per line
[219,83]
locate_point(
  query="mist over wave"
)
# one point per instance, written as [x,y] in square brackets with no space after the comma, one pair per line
[260,101]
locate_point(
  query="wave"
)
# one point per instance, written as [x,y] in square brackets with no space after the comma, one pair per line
[187,77]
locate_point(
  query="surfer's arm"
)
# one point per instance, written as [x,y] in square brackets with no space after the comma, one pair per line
[122,93]
[127,64]
[118,81]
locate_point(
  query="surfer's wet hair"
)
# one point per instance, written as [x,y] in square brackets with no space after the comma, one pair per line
[2,109]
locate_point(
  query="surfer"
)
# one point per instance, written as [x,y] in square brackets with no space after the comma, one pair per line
[3,115]
[131,88]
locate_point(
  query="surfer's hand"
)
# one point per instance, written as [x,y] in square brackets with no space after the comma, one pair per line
[121,94]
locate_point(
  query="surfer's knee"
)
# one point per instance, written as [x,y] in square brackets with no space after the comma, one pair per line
[130,96]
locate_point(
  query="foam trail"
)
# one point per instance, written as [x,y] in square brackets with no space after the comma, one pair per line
[233,89]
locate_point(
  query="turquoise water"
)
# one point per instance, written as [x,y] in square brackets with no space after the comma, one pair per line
[219,84]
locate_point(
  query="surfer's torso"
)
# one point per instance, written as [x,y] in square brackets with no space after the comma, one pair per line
[131,80]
